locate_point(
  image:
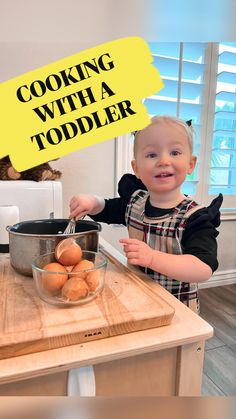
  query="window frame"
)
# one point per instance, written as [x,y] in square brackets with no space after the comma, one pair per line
[124,148]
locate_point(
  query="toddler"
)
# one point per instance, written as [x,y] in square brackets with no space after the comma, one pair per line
[171,237]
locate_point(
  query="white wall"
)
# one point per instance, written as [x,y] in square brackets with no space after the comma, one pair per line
[226,273]
[90,170]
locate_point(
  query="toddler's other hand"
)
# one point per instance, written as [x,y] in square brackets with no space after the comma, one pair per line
[137,252]
[81,205]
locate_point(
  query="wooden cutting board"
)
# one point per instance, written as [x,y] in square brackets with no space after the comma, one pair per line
[28,325]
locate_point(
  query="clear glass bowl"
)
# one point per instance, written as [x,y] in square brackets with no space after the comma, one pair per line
[54,288]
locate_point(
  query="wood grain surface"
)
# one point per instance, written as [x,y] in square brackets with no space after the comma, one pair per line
[29,325]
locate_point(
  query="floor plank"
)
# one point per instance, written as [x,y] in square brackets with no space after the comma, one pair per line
[221,330]
[218,307]
[220,366]
[223,297]
[210,388]
[213,343]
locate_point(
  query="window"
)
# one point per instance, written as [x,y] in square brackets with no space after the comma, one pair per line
[182,68]
[223,157]
[199,84]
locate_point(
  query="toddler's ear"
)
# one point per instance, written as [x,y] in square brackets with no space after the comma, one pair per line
[192,164]
[134,167]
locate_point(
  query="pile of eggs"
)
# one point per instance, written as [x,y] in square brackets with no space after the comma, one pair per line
[70,276]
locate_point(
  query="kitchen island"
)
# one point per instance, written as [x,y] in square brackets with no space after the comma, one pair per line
[160,361]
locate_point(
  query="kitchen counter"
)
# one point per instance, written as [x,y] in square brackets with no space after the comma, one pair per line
[162,361]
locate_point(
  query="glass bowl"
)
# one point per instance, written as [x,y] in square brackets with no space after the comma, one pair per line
[69,288]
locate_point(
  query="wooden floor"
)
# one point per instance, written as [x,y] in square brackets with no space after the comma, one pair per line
[218,307]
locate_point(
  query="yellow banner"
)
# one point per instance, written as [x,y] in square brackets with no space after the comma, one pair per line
[76,102]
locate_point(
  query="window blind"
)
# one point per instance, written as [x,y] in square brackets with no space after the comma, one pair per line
[181,66]
[199,84]
[223,157]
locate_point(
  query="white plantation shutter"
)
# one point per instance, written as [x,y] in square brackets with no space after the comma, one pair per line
[181,66]
[223,156]
[199,84]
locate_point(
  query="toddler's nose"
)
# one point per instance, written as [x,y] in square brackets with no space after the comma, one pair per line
[164,160]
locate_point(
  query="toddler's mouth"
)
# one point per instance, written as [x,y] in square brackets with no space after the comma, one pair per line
[164,174]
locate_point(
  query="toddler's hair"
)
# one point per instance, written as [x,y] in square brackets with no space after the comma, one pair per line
[167,118]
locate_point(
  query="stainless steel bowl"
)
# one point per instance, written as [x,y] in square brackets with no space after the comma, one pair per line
[30,239]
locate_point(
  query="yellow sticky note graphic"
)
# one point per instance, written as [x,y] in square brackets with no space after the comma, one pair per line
[92,96]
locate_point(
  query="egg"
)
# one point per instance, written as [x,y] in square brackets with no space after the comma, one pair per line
[69,268]
[93,279]
[74,289]
[83,265]
[55,280]
[68,252]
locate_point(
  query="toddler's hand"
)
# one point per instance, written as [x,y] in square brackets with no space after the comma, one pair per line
[81,205]
[137,252]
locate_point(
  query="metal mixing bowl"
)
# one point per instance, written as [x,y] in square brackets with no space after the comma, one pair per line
[30,239]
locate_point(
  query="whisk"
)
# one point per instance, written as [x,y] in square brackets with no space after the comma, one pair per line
[70,229]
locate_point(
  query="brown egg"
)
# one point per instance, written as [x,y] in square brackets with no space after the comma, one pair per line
[69,268]
[55,280]
[92,280]
[68,252]
[82,266]
[74,289]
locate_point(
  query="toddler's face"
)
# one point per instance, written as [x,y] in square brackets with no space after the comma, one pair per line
[163,157]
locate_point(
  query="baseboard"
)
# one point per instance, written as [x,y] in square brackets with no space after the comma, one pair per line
[220,278]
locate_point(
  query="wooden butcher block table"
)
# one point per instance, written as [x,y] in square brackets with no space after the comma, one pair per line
[135,337]
[29,325]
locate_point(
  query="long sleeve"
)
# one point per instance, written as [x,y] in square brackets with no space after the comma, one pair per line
[114,210]
[199,238]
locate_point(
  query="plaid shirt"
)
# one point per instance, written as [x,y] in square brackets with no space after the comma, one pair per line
[163,234]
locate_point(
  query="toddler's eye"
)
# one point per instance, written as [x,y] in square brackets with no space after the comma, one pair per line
[175,152]
[151,155]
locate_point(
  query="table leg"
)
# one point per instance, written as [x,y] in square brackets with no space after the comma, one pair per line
[189,369]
